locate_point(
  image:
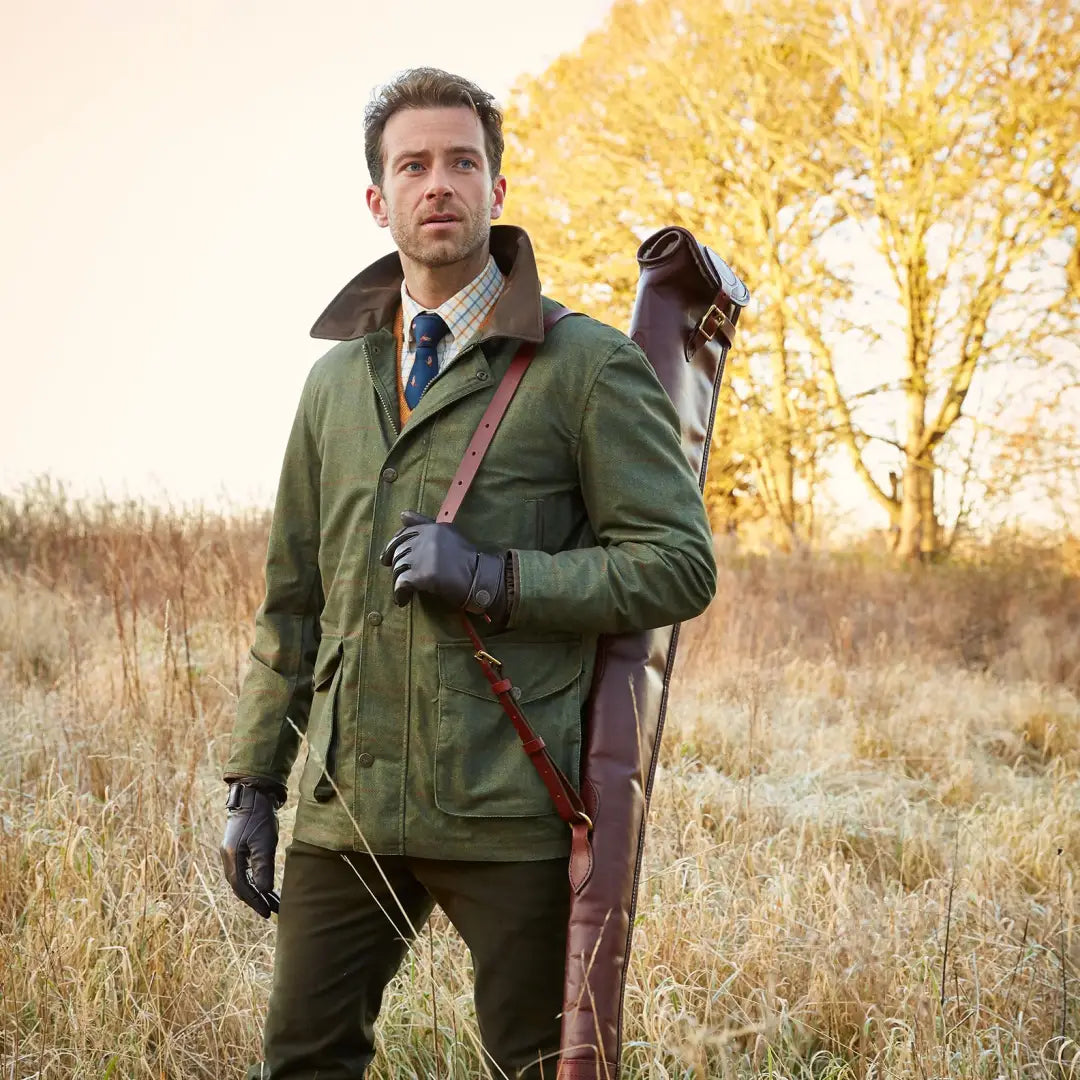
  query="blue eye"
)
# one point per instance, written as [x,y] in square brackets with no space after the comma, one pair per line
[412,166]
[468,162]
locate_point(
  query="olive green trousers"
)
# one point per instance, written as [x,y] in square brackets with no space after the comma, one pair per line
[341,936]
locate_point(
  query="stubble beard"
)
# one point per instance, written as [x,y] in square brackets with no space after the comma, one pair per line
[435,253]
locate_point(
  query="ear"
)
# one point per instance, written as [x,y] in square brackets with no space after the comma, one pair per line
[376,203]
[498,197]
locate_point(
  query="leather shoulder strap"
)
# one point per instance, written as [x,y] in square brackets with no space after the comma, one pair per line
[489,422]
[568,803]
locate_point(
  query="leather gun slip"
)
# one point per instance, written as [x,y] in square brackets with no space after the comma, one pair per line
[688,302]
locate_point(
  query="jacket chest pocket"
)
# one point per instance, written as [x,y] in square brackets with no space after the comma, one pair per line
[481,769]
[323,724]
[561,522]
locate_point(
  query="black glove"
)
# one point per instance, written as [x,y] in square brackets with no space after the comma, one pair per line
[437,559]
[251,833]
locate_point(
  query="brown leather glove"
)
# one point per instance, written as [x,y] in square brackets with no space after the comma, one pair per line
[250,841]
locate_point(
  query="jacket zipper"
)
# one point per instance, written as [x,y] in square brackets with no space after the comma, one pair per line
[378,388]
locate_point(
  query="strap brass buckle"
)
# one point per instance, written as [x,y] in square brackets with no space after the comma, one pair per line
[480,654]
[719,320]
[582,816]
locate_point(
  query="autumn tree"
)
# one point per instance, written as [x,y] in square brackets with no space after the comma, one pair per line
[895,181]
[637,131]
[963,122]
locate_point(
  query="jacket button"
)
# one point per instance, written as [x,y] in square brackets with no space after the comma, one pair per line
[374,618]
[365,761]
[389,475]
[515,692]
[481,376]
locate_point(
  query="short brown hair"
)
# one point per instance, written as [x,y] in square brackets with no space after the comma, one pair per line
[430,88]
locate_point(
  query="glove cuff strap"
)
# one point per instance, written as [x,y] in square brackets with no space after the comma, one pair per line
[487,594]
[274,791]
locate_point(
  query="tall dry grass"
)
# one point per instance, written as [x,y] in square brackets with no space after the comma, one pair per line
[864,836]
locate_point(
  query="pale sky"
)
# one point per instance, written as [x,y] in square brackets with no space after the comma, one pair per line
[181,193]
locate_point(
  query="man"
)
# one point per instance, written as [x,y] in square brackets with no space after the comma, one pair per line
[584,519]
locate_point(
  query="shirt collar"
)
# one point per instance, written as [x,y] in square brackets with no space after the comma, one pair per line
[465,312]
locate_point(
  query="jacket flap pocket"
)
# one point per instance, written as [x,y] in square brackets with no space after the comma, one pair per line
[537,669]
[327,662]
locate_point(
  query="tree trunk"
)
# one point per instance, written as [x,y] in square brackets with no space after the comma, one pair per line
[907,545]
[929,532]
[916,538]
[781,457]
[920,533]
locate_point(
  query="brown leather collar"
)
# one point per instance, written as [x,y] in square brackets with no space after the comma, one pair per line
[371,299]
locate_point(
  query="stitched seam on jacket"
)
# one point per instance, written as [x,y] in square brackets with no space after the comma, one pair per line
[588,398]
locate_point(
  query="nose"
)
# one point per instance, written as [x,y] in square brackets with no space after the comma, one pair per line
[438,185]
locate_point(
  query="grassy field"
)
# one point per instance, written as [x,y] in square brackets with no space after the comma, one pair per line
[864,845]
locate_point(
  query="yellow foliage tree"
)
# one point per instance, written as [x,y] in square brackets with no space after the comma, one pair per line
[938,138]
[962,120]
[637,131]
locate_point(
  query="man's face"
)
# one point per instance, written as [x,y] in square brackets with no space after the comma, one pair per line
[437,196]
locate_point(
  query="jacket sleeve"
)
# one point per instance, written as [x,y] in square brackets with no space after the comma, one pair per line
[276,693]
[653,564]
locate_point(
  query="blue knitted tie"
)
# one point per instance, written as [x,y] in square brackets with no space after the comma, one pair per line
[428,330]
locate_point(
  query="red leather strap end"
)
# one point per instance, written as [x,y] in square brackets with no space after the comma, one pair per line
[581,856]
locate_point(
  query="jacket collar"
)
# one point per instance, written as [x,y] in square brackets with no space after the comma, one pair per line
[370,301]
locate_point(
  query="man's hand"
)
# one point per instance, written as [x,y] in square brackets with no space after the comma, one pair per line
[436,559]
[251,834]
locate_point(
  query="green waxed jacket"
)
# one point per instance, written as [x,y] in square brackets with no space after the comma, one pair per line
[586,483]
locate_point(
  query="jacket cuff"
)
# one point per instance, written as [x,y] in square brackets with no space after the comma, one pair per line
[510,578]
